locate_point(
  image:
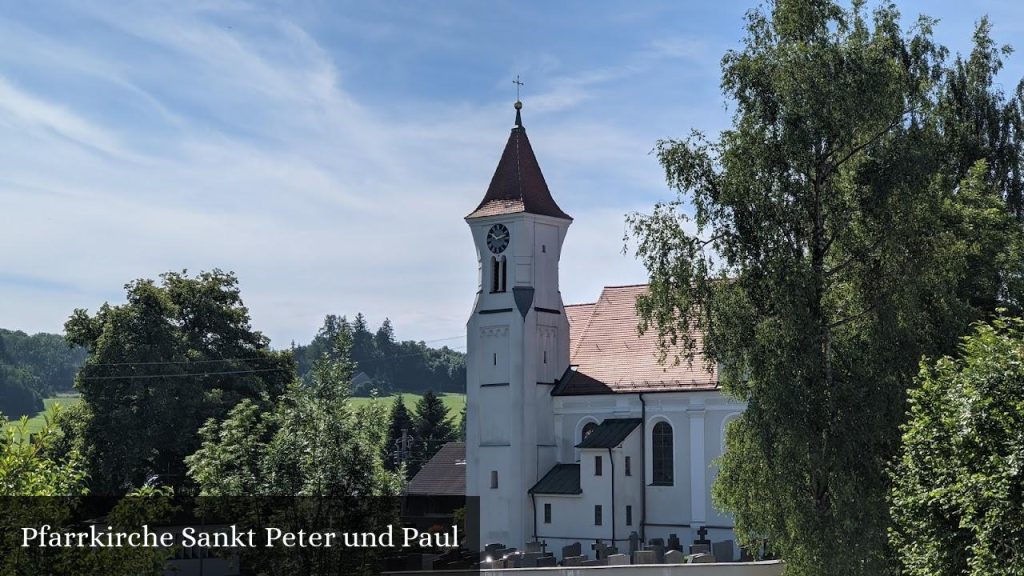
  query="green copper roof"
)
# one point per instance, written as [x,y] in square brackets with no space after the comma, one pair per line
[562,479]
[610,433]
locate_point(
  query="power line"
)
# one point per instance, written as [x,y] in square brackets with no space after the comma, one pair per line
[150,376]
[173,362]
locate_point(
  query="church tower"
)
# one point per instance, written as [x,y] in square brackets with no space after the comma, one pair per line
[517,343]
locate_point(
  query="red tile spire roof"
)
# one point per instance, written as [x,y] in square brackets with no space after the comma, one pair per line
[518,184]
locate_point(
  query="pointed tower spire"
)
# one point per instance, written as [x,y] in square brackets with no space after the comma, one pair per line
[518,184]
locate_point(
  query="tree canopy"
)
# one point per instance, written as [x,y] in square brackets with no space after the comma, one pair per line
[177,353]
[958,494]
[32,368]
[392,366]
[838,231]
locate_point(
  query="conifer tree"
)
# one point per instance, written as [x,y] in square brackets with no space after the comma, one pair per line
[400,421]
[433,429]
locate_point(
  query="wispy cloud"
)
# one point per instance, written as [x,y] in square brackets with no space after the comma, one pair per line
[326,153]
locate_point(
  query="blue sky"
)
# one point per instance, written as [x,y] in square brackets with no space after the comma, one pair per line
[327,151]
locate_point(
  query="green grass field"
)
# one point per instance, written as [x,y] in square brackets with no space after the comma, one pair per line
[36,421]
[453,402]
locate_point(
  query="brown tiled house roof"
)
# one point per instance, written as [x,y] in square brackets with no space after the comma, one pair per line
[518,184]
[611,357]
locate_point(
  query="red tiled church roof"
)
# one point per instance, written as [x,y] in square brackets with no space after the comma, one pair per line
[611,357]
[518,184]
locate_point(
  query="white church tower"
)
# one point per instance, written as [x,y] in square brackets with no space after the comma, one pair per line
[517,344]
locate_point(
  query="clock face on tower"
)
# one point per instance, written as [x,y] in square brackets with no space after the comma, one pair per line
[497,238]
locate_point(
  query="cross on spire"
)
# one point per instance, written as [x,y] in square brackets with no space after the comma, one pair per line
[518,105]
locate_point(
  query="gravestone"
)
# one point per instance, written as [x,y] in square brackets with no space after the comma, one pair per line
[574,549]
[601,562]
[634,542]
[493,546]
[644,557]
[618,560]
[535,546]
[529,560]
[702,534]
[609,550]
[659,551]
[573,560]
[600,549]
[723,550]
[546,562]
[674,557]
[700,549]
[700,559]
[674,543]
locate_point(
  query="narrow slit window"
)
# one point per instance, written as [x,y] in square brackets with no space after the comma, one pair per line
[547,513]
[495,358]
[504,273]
[629,515]
[545,356]
[495,274]
[494,479]
[598,466]
[597,515]
[629,468]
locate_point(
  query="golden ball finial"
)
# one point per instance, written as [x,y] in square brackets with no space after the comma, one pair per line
[518,105]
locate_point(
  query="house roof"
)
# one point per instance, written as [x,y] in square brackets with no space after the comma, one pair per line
[518,184]
[442,475]
[562,479]
[609,433]
[609,356]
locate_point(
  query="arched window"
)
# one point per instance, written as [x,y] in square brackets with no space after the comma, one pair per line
[587,430]
[661,454]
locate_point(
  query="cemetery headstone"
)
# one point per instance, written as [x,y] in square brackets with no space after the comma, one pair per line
[634,542]
[618,560]
[674,557]
[573,560]
[644,557]
[700,549]
[546,562]
[723,550]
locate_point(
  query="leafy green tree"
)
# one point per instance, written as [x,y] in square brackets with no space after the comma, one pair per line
[19,394]
[311,443]
[958,494]
[47,357]
[433,429]
[829,247]
[979,122]
[175,354]
[406,366]
[27,468]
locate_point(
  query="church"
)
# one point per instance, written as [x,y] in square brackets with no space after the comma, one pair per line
[575,432]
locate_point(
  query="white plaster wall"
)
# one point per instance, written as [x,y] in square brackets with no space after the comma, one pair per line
[510,427]
[697,422]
